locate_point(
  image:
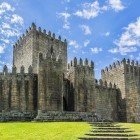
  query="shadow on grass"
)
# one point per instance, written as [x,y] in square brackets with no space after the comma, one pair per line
[108,139]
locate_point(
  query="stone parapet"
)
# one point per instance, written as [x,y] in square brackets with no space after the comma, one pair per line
[16,116]
[66,116]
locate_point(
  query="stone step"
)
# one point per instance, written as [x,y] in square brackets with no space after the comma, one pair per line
[102,123]
[109,139]
[111,131]
[105,126]
[111,128]
[113,135]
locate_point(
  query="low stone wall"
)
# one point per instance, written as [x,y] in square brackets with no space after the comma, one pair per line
[66,116]
[16,116]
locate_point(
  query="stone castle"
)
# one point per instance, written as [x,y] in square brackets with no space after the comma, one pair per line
[43,87]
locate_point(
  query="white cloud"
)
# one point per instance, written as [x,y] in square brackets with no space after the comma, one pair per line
[131,56]
[117,5]
[93,9]
[2,63]
[74,44]
[96,50]
[113,50]
[90,10]
[86,42]
[129,41]
[83,52]
[65,1]
[65,16]
[10,27]
[6,41]
[86,29]
[2,47]
[107,33]
[17,19]
[5,7]
[138,57]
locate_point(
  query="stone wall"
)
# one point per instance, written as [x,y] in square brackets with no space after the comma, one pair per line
[115,74]
[133,91]
[106,101]
[26,50]
[17,90]
[127,78]
[41,81]
[66,116]
[81,75]
[50,83]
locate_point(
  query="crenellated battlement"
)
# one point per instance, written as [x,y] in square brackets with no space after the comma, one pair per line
[80,63]
[119,71]
[103,84]
[49,57]
[114,66]
[38,31]
[81,67]
[119,64]
[36,40]
[5,73]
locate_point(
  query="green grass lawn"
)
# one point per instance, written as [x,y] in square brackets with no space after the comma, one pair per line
[43,131]
[50,131]
[134,127]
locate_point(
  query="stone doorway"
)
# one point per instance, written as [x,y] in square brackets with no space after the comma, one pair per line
[64,104]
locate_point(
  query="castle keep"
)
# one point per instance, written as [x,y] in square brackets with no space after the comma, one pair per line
[43,87]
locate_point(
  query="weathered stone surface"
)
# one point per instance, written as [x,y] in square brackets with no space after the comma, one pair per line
[16,116]
[126,76]
[41,80]
[66,116]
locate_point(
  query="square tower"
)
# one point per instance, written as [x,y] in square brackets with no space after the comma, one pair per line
[27,48]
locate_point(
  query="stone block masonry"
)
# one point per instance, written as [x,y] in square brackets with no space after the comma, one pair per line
[126,75]
[43,87]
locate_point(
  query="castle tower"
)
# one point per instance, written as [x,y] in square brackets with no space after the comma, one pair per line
[50,83]
[81,75]
[133,91]
[125,75]
[35,41]
[115,74]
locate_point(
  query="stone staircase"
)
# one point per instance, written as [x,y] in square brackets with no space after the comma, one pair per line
[109,131]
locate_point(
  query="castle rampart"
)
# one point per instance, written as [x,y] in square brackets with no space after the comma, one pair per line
[106,100]
[17,90]
[81,75]
[43,87]
[126,75]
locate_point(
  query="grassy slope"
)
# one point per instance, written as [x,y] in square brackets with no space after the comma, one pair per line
[43,131]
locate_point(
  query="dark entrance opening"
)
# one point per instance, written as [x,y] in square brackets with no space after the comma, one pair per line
[64,104]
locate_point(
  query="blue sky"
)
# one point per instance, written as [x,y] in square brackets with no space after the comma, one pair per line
[101,30]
